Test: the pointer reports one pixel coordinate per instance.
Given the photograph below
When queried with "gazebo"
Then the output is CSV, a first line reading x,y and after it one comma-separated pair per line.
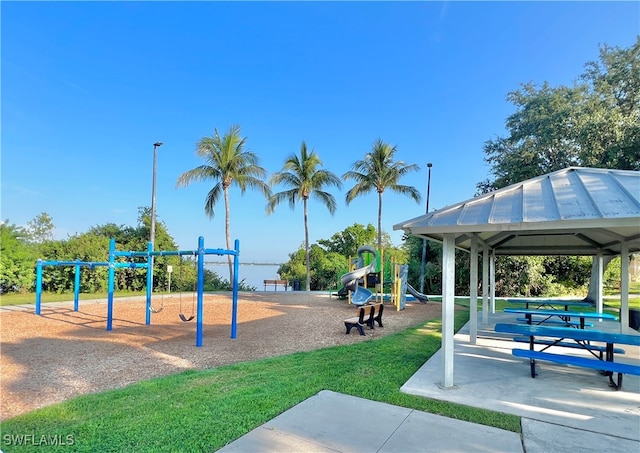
x,y
574,211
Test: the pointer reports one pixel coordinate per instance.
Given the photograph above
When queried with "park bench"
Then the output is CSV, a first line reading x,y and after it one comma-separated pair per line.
x,y
582,340
365,315
602,365
565,344
275,283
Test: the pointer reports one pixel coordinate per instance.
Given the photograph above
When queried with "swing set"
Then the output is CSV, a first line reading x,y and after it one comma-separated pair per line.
x,y
197,310
183,317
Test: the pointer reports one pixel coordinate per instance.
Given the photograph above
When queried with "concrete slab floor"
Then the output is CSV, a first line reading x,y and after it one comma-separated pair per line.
x,y
487,375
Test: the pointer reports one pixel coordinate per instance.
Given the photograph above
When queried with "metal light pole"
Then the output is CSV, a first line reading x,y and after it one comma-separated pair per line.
x,y
153,200
424,241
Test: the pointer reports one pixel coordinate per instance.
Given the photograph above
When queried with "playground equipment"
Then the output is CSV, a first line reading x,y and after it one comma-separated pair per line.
x,y
76,288
359,294
182,316
200,252
161,307
417,294
400,289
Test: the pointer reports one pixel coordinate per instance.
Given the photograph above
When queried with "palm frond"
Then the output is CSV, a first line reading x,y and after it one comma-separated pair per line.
x,y
212,198
407,190
287,179
327,199
289,196
198,174
360,188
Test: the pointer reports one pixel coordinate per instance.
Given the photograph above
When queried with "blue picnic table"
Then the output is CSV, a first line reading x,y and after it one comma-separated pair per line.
x,y
564,315
549,304
583,338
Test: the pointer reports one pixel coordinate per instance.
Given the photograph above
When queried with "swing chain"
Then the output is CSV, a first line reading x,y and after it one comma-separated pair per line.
x,y
182,316
159,309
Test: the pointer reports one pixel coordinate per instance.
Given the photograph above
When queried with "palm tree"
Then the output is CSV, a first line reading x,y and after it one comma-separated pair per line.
x,y
377,171
304,179
227,162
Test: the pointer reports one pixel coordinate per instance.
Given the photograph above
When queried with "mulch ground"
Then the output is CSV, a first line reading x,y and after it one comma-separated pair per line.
x,y
61,354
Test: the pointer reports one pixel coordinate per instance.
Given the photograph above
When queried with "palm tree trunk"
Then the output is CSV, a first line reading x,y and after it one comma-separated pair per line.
x,y
306,245
227,230
379,221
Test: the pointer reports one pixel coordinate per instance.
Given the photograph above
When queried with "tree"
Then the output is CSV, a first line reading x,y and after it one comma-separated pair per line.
x,y
539,140
377,172
40,229
227,163
304,179
595,122
17,259
433,264
347,241
326,267
611,116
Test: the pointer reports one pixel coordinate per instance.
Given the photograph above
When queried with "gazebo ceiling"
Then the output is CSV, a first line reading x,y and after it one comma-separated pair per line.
x,y
575,211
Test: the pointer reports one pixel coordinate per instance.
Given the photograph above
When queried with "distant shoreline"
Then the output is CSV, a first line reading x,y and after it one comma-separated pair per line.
x,y
225,263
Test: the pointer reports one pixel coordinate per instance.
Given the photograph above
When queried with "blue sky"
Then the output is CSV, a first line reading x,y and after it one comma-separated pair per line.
x,y
88,87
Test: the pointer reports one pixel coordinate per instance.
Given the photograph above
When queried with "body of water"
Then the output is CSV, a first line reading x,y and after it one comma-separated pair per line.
x,y
252,274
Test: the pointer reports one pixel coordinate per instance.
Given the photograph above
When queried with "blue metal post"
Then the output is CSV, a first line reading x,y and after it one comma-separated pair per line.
x,y
149,281
234,307
38,285
76,287
200,291
112,269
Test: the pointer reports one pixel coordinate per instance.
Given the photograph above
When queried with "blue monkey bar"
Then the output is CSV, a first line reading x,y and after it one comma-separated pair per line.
x,y
76,287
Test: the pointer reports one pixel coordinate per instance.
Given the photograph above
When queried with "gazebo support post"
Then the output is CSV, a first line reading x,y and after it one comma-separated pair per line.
x,y
600,271
485,284
448,301
473,291
624,287
492,277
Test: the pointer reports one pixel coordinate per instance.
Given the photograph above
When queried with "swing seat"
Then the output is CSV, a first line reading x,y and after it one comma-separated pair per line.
x,y
184,318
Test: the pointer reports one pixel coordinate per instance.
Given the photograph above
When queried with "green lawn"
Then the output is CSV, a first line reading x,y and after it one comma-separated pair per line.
x,y
611,296
204,410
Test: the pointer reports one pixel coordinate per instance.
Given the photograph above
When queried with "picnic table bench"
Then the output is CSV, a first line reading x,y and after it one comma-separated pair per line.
x,y
275,283
368,315
582,338
565,344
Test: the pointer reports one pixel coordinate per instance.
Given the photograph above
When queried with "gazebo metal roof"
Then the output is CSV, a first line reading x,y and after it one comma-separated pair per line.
x,y
574,211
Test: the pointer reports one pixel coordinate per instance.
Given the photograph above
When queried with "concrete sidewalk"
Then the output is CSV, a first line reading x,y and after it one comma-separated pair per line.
x,y
333,422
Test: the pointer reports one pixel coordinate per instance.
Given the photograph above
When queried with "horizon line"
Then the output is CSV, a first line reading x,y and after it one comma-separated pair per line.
x,y
250,262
